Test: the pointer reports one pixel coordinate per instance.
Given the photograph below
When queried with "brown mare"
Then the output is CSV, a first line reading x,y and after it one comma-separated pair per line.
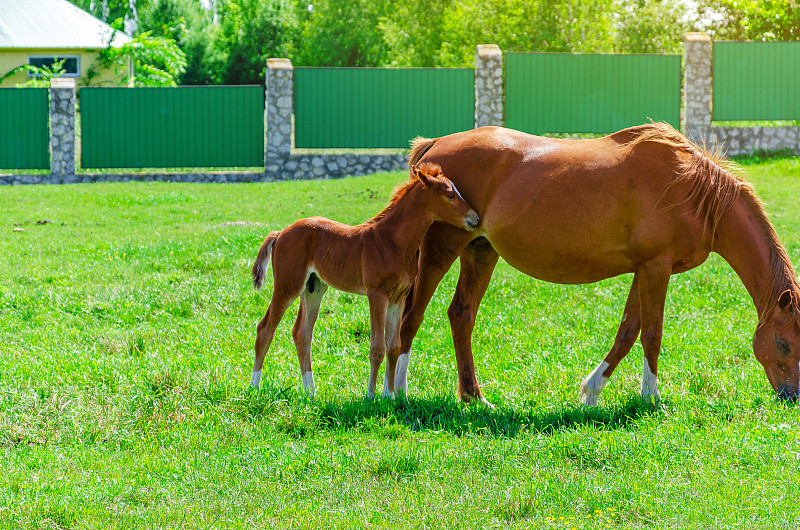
x,y
644,200
377,259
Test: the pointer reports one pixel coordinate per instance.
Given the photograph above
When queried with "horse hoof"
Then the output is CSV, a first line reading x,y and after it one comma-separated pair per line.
x,y
469,399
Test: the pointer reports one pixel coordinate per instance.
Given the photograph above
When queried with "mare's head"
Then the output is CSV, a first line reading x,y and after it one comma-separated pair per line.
x,y
777,346
445,202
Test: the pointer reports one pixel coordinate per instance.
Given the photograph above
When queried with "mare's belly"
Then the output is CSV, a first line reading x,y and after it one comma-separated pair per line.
x,y
560,254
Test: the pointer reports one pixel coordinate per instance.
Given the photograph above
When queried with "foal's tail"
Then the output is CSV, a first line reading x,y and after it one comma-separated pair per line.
x,y
260,266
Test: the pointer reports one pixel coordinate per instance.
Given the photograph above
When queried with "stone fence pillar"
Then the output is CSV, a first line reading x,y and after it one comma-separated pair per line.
x,y
697,87
489,103
280,107
62,129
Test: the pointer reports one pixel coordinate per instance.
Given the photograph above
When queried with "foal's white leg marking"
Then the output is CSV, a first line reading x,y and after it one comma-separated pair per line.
x,y
649,382
308,383
593,384
386,391
255,380
401,373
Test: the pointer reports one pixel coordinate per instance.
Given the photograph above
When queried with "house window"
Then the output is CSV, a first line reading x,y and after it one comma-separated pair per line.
x,y
71,66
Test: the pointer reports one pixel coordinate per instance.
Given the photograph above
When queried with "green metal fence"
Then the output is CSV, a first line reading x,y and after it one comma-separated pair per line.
x,y
24,128
756,81
172,127
380,107
567,93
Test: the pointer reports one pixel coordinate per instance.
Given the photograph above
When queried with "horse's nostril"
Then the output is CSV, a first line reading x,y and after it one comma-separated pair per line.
x,y
787,394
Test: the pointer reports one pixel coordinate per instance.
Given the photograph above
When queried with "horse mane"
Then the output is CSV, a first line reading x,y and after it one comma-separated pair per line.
x,y
715,183
402,189
419,146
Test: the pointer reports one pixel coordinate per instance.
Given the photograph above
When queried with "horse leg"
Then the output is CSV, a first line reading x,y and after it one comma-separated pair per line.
x,y
653,280
626,336
394,314
440,248
378,303
303,330
478,260
289,283
266,332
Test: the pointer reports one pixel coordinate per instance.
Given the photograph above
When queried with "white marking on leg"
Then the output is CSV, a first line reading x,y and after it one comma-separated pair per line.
x,y
624,317
649,382
593,384
386,392
255,380
308,383
401,373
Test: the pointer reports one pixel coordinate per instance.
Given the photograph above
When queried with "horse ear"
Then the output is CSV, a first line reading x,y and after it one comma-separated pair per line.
x,y
415,172
424,178
786,301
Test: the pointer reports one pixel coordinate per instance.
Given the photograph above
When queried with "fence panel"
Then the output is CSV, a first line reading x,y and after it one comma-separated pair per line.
x,y
380,107
756,81
24,128
592,93
209,126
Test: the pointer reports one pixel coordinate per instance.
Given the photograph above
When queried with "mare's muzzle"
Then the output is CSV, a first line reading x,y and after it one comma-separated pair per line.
x,y
787,394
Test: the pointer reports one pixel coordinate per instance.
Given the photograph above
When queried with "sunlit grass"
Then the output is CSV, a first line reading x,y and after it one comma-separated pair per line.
x,y
126,329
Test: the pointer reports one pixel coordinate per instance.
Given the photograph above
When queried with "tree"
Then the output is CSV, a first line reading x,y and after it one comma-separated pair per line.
x,y
769,20
250,31
156,61
651,26
526,25
40,75
414,31
339,33
191,27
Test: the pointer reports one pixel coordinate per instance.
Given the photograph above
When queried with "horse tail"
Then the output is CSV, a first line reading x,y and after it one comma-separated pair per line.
x,y
260,266
419,146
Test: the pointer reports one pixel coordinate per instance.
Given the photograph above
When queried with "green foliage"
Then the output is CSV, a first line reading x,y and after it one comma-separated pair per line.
x,y
109,10
652,26
521,25
231,43
143,61
340,33
40,75
249,32
768,20
191,27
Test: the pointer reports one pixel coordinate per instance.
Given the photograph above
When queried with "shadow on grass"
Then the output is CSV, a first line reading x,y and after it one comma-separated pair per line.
x,y
450,415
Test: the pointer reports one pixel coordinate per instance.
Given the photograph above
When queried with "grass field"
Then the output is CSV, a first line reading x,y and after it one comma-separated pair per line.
x,y
126,329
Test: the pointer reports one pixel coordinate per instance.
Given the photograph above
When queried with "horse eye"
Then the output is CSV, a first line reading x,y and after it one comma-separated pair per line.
x,y
452,196
783,346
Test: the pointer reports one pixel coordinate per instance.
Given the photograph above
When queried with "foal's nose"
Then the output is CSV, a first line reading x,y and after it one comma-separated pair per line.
x,y
472,220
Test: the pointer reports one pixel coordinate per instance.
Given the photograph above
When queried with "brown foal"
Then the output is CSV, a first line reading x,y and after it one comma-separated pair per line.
x,y
377,259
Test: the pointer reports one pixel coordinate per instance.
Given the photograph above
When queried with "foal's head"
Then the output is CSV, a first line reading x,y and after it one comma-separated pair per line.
x,y
445,203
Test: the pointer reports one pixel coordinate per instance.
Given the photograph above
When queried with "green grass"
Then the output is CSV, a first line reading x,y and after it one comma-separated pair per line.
x,y
126,329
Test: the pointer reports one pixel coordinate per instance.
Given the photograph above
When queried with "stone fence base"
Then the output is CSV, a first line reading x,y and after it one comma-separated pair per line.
x,y
745,140
293,167
332,166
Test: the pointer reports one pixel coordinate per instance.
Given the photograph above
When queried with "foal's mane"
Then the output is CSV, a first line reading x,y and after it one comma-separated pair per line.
x,y
402,189
715,183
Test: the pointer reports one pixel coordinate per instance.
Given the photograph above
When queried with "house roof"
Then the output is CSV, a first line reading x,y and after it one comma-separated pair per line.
x,y
53,24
